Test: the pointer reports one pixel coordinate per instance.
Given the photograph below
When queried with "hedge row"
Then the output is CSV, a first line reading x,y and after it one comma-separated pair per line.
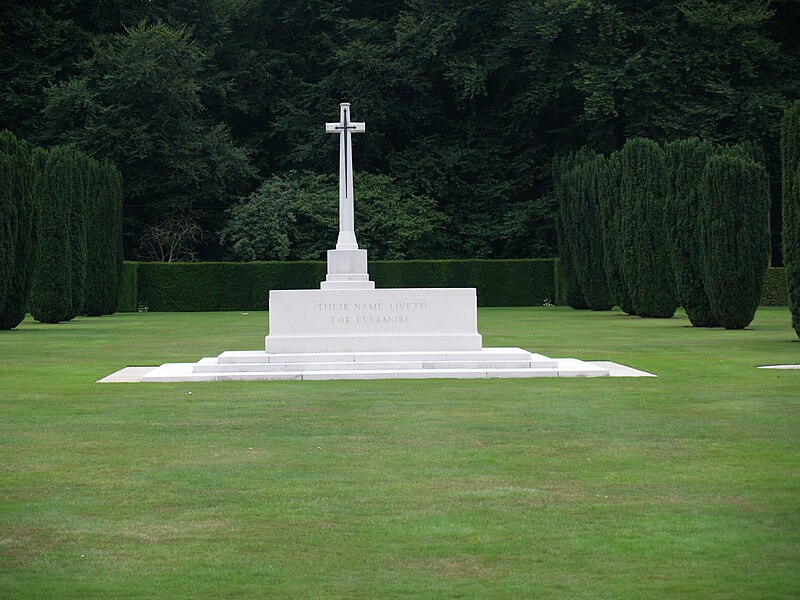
x,y
245,286
775,291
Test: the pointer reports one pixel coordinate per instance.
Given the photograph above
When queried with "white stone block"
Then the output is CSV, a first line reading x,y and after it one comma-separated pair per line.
x,y
400,319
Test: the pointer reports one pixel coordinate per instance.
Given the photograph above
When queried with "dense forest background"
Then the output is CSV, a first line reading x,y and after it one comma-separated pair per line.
x,y
466,102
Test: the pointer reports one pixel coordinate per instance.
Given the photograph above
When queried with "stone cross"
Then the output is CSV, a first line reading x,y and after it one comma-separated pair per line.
x,y
347,235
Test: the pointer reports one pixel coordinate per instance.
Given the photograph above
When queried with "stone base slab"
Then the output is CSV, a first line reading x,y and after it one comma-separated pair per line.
x,y
486,363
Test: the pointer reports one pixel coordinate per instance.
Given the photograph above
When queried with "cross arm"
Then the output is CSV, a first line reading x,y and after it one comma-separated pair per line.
x,y
351,127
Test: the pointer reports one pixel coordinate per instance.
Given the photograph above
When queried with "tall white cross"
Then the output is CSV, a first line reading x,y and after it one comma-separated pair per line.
x,y
347,234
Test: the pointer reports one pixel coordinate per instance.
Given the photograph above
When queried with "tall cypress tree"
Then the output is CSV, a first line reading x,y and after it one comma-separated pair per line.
x,y
104,239
564,192
23,240
790,160
97,246
646,264
611,213
585,231
8,223
78,180
113,179
734,237
51,297
687,161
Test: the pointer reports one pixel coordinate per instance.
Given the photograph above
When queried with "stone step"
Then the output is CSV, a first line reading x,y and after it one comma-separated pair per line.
x,y
487,354
215,367
166,375
183,372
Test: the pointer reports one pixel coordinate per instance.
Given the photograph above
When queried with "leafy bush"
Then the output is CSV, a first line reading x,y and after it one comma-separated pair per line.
x,y
296,217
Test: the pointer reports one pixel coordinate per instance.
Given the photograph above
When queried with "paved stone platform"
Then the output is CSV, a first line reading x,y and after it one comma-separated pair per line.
x,y
479,364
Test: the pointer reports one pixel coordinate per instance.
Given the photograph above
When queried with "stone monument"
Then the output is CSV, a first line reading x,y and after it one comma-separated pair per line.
x,y
347,313
347,329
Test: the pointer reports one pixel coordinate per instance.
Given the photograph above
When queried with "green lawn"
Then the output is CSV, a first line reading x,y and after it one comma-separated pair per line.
x,y
683,486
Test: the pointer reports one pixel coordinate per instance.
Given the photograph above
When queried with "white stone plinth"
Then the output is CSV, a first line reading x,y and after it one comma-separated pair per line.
x,y
347,270
370,320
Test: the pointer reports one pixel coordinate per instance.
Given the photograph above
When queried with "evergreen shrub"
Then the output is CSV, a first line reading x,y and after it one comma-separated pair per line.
x,y
19,228
582,227
790,161
127,295
51,296
104,236
539,280
245,286
78,181
775,292
687,161
645,261
565,192
8,223
734,237
611,226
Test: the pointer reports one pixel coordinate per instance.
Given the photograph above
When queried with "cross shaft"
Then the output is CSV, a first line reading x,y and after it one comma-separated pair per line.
x,y
347,236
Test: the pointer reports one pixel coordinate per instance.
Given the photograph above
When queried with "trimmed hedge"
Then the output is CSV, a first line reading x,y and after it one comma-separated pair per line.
x,y
127,300
530,282
775,291
245,286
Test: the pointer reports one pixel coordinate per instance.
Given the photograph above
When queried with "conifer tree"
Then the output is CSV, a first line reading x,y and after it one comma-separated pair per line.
x,y
734,237
113,182
51,297
687,161
104,239
79,175
97,224
611,220
646,264
562,167
790,160
8,223
19,241
585,231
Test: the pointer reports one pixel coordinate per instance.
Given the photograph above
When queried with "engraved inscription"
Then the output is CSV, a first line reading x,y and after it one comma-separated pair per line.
x,y
376,314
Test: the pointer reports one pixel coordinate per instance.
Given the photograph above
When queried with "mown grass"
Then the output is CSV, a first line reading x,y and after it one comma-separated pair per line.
x,y
683,486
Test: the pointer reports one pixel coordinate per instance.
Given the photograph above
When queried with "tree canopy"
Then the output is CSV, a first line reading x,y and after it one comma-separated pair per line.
x,y
466,103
